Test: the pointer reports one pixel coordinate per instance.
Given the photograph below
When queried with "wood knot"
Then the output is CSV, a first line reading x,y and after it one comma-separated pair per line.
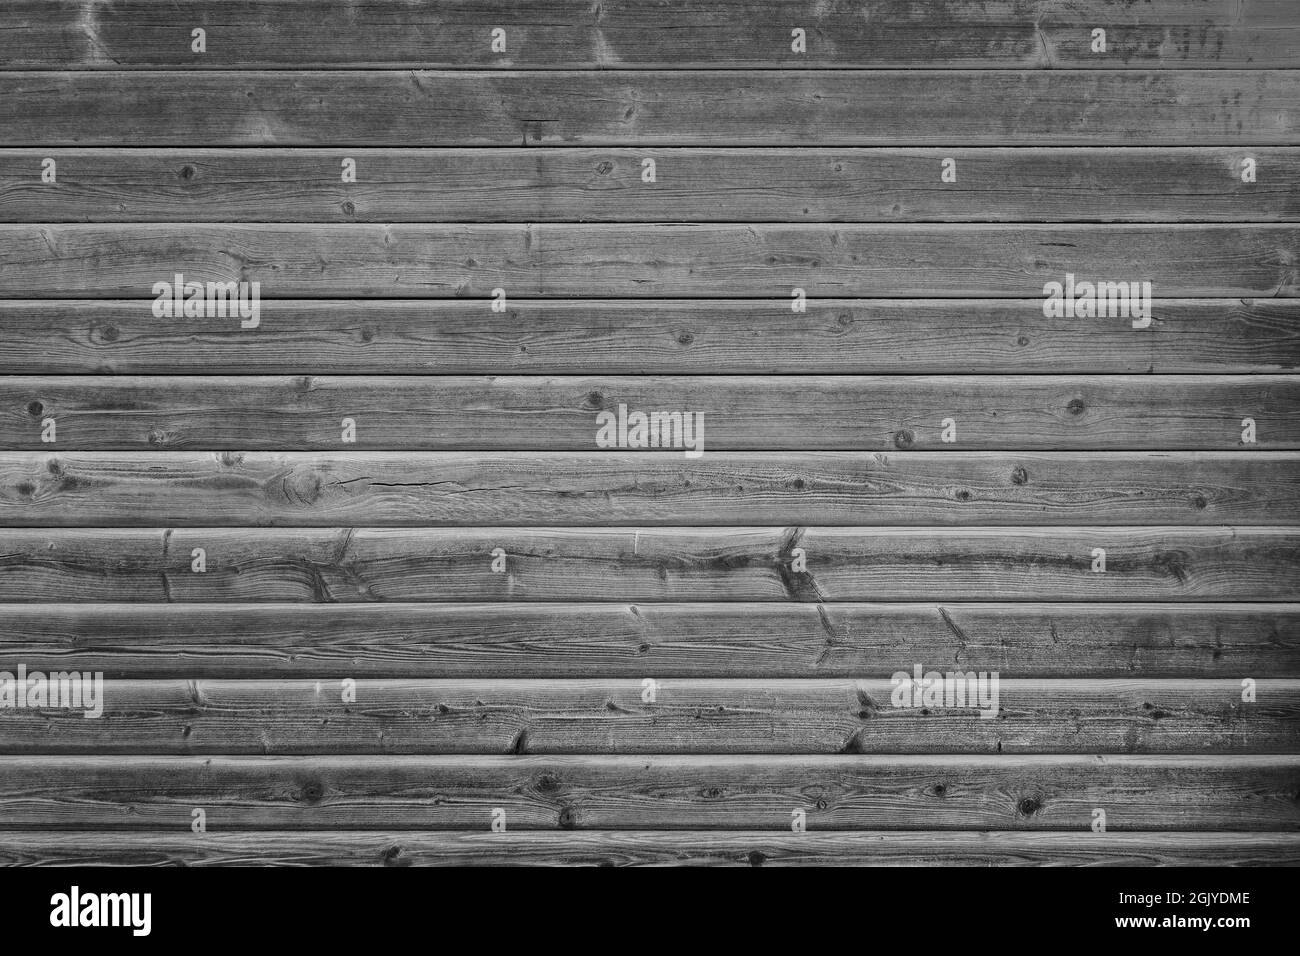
x,y
1199,502
1076,406
34,409
393,857
188,172
605,168
313,791
1019,476
349,208
940,789
1028,806
568,819
903,438
595,400
548,783
756,858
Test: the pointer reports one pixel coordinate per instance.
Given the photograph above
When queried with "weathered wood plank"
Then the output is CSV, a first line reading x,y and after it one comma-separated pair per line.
x,y
133,34
126,260
662,108
646,848
668,640
1176,184
349,565
429,489
731,413
687,717
854,336
1240,793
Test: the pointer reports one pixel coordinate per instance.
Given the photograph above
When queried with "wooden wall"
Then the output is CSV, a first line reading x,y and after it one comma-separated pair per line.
x,y
369,651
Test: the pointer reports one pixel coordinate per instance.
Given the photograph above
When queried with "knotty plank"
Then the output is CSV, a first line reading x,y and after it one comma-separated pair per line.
x,y
653,564
126,260
525,640
130,34
689,716
395,489
854,336
663,108
525,413
646,848
1040,793
1174,184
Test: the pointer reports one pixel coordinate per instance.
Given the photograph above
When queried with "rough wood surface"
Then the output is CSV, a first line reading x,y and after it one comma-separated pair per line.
x,y
549,34
417,489
523,640
1169,184
653,793
740,413
403,108
126,260
349,565
703,336
689,716
648,848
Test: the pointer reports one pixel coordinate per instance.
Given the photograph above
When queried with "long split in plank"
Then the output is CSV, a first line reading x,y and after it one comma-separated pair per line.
x,y
687,716
349,565
438,489
530,640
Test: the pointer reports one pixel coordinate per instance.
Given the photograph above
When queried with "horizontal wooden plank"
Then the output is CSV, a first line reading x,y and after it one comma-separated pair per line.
x,y
429,489
854,336
127,260
646,848
350,565
378,108
1176,184
687,717
730,413
947,792
132,34
524,640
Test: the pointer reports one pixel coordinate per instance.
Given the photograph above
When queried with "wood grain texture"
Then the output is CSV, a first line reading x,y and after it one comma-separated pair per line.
x,y
132,34
847,793
647,848
444,489
665,108
126,260
853,336
348,565
523,640
525,413
1170,184
689,716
